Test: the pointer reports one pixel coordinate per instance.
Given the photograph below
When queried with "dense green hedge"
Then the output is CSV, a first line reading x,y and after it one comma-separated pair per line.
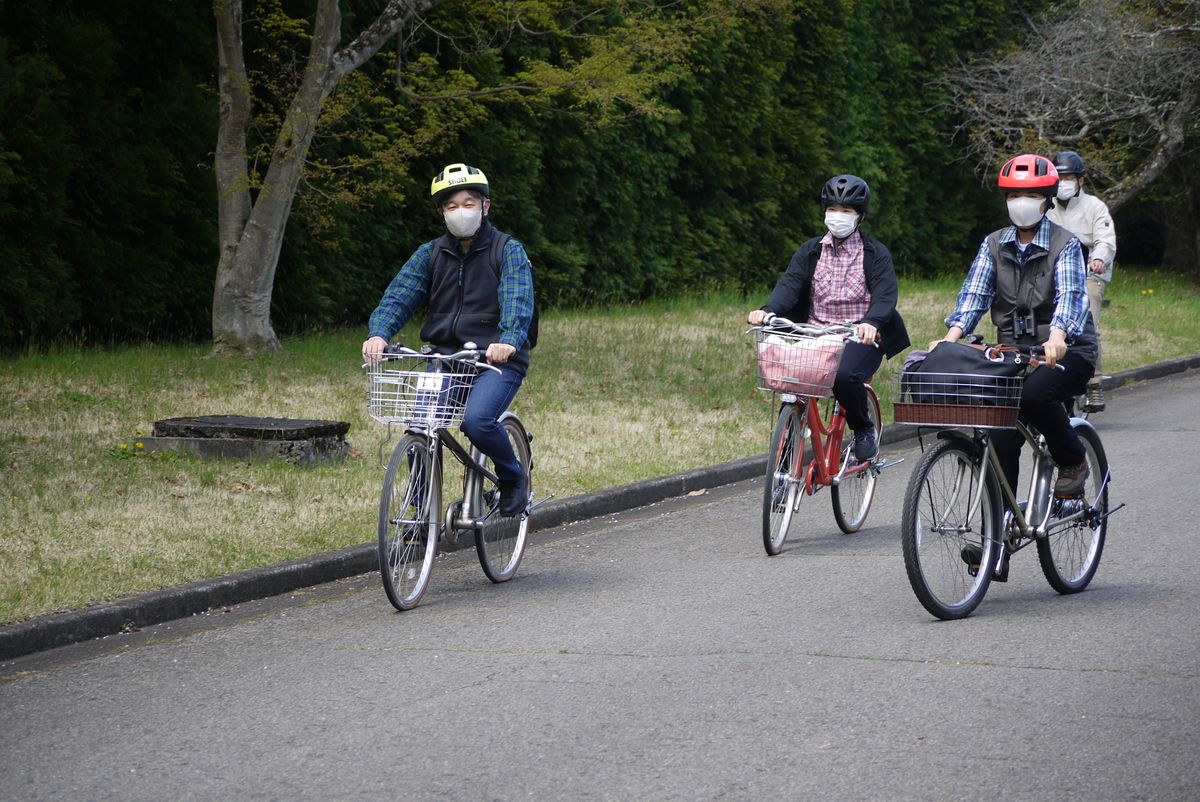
x,y
107,198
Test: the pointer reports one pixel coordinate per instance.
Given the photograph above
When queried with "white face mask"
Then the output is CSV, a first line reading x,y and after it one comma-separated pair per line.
x,y
840,224
1067,190
1025,212
463,222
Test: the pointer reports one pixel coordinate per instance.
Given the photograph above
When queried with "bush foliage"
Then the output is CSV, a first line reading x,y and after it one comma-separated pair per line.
x,y
107,199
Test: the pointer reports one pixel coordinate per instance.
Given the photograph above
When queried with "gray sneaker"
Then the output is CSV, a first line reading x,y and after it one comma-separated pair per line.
x,y
1070,480
1094,402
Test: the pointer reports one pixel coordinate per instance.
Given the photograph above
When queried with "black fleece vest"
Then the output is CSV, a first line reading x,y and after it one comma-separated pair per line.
x,y
464,303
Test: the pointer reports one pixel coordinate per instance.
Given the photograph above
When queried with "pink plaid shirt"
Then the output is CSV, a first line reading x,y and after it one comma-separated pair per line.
x,y
839,284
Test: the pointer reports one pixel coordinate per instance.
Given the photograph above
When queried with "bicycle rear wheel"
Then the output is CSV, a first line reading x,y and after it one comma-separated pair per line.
x,y
853,495
948,552
786,463
1070,557
500,543
409,508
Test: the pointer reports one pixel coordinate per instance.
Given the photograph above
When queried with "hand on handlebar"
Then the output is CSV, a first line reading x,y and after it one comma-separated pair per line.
x,y
499,353
372,349
757,317
1055,347
866,333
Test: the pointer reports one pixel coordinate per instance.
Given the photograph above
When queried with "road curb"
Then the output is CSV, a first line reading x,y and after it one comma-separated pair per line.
x,y
62,629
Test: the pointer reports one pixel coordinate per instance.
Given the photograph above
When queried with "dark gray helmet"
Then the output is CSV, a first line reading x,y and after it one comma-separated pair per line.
x,y
847,190
1070,163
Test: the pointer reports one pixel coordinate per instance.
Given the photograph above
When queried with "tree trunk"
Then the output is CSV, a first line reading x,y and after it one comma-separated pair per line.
x,y
246,270
251,234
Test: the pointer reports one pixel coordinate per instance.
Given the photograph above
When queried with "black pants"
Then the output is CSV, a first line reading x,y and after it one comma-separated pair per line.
x,y
859,363
1042,406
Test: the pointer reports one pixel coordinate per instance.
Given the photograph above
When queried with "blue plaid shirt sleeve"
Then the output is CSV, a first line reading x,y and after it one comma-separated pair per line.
x,y
977,292
403,296
1070,299
516,295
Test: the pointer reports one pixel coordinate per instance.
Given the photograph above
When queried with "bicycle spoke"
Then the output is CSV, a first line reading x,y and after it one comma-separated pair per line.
x,y
948,546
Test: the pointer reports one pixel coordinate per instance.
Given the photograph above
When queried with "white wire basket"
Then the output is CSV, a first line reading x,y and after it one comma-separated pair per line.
x,y
402,389
798,363
957,399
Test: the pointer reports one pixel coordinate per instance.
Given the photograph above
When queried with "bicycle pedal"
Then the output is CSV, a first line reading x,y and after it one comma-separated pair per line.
x,y
887,462
971,556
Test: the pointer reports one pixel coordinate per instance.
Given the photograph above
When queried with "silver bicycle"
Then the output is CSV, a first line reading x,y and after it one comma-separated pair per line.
x,y
426,393
962,521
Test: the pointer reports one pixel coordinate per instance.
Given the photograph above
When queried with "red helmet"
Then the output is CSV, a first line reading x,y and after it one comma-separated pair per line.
x,y
1028,173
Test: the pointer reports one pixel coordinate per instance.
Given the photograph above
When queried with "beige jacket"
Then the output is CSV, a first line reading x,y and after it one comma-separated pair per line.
x,y
1087,217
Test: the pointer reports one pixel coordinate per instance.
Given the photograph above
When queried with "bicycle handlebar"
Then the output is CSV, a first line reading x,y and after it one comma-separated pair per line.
x,y
472,355
774,321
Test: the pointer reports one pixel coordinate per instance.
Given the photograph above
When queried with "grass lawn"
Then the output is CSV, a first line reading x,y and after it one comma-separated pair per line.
x,y
614,395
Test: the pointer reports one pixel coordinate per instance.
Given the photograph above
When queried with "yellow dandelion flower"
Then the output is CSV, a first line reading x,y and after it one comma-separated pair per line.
x,y
141,445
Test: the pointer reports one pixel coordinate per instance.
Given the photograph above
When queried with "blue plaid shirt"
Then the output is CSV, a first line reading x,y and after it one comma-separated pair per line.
x,y
1070,287
405,295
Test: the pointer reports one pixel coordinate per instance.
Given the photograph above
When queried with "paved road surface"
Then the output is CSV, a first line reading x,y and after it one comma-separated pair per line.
x,y
661,655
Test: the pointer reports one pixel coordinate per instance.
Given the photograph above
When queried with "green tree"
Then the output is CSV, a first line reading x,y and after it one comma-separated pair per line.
x,y
614,53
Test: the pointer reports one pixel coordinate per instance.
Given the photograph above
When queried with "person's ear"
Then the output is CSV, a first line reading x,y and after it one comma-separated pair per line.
x,y
487,205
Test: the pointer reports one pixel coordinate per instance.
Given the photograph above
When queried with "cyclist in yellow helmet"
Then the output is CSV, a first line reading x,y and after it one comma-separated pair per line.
x,y
476,283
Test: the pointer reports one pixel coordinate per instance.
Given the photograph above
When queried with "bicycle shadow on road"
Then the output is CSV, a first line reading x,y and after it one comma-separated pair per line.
x,y
829,541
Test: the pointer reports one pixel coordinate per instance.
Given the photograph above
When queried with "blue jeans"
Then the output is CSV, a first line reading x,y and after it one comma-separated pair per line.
x,y
489,398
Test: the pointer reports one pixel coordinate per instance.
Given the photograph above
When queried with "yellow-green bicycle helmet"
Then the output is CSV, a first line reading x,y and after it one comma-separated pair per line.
x,y
455,177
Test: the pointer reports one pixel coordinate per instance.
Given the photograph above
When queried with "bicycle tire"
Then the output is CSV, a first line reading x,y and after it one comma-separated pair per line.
x,y
852,497
1070,558
786,464
500,543
409,510
935,531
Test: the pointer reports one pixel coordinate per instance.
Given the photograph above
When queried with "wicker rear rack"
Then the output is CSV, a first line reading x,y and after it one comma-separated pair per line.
x,y
957,399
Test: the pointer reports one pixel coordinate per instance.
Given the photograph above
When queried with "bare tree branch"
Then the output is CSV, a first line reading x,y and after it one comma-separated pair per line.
x,y
1111,77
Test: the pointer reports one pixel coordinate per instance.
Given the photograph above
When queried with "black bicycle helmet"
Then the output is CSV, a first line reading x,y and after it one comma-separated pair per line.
x,y
1069,162
847,190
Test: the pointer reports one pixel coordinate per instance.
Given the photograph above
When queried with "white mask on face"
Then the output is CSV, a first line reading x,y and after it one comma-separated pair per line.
x,y
1067,190
1025,212
462,222
840,224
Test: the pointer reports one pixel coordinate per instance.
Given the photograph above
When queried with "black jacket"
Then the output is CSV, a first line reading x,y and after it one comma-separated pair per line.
x,y
792,296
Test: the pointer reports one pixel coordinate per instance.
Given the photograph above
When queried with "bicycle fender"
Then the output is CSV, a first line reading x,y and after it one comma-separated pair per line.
x,y
1082,423
958,434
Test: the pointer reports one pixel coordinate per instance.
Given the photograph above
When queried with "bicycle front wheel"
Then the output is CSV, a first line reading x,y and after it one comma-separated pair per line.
x,y
409,508
786,462
1070,556
852,496
949,549
500,543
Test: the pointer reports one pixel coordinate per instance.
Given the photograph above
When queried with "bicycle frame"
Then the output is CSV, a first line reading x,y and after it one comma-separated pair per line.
x,y
826,467
1031,518
441,440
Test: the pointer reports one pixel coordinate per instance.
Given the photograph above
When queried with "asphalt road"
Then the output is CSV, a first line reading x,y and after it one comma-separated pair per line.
x,y
660,654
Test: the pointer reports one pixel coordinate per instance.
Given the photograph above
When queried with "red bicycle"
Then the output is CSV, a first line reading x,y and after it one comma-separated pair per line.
x,y
799,363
